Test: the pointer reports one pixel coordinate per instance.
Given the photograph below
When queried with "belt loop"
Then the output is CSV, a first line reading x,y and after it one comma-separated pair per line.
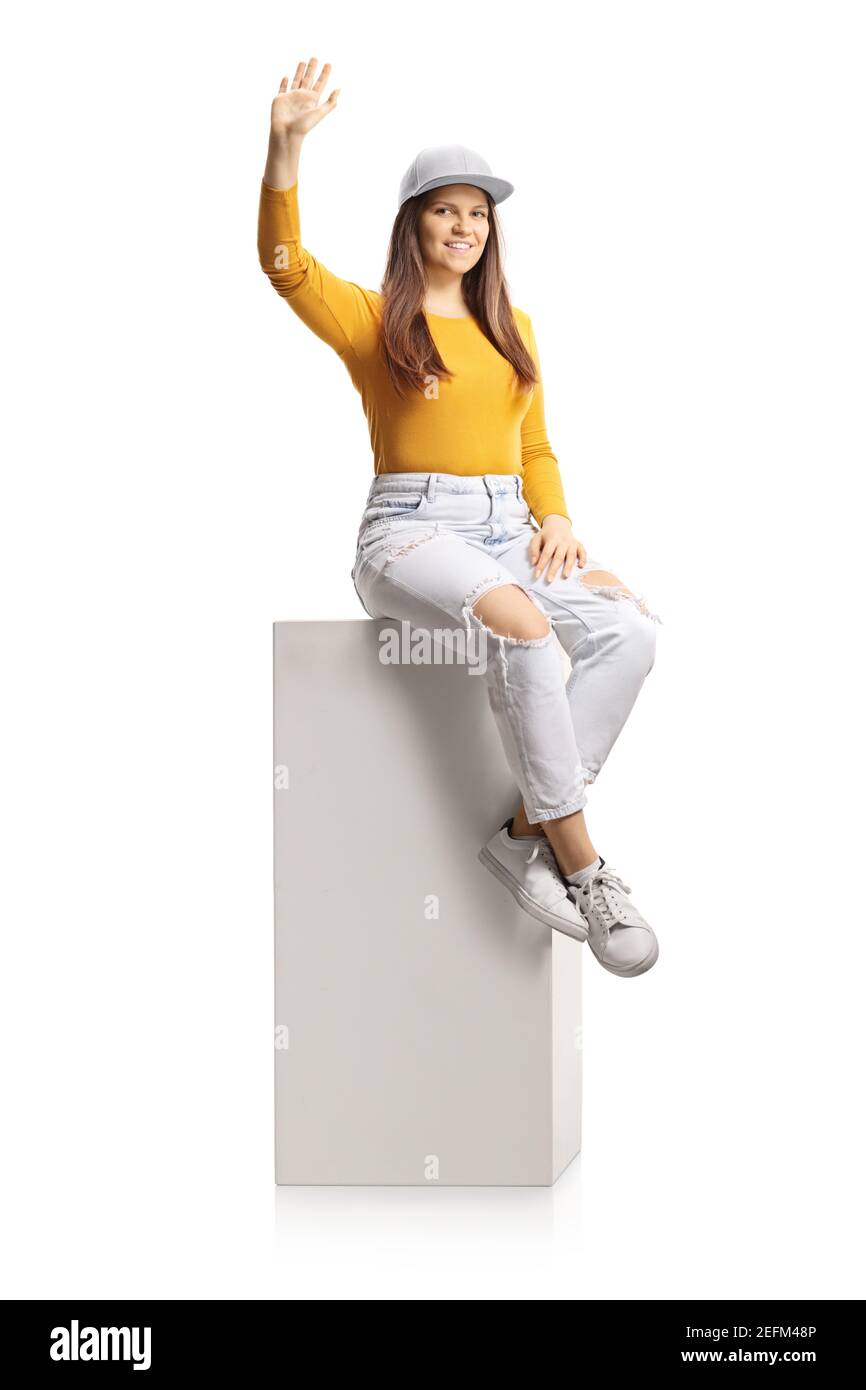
x,y
489,483
431,487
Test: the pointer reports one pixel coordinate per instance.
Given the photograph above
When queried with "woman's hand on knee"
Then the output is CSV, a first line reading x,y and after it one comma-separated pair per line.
x,y
555,548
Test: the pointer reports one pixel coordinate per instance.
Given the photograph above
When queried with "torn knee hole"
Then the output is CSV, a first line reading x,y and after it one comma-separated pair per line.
x,y
493,605
603,579
603,582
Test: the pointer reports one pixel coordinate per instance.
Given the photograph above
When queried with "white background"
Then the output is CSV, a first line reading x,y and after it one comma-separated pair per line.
x,y
185,463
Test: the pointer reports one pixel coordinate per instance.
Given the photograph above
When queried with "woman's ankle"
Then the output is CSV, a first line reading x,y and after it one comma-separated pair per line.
x,y
521,828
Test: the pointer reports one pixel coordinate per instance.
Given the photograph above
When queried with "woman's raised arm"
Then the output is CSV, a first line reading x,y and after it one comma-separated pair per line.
x,y
336,310
295,111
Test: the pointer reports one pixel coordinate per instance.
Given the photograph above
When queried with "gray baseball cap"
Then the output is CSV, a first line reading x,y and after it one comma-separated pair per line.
x,y
438,165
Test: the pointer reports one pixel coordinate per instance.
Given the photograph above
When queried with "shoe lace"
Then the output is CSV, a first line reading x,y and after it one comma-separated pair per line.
x,y
598,895
542,846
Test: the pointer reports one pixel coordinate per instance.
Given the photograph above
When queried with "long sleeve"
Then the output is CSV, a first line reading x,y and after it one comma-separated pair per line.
x,y
542,484
336,310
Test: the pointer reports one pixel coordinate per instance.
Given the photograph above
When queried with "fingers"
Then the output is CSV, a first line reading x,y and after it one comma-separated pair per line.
x,y
552,555
542,549
323,77
303,81
556,562
571,556
575,554
307,80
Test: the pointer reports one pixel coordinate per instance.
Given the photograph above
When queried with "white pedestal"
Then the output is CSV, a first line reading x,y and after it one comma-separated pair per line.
x,y
428,1031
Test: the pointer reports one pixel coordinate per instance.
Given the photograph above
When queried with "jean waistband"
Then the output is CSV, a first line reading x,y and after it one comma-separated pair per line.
x,y
494,484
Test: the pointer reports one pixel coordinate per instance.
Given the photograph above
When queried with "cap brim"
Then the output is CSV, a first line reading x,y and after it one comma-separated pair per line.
x,y
499,189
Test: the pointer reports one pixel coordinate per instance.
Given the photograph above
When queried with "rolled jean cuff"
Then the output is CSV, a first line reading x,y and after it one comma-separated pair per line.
x,y
558,811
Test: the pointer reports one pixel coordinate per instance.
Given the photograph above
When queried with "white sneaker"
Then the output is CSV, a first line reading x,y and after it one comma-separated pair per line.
x,y
619,937
529,870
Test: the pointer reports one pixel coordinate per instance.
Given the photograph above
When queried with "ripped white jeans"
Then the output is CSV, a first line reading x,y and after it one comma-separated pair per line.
x,y
430,545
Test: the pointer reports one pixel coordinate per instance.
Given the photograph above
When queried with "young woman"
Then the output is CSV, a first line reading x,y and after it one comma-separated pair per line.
x,y
449,376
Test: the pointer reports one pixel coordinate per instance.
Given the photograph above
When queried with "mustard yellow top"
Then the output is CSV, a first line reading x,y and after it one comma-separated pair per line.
x,y
478,422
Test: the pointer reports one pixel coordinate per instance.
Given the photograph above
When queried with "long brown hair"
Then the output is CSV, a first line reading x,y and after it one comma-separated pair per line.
x,y
406,344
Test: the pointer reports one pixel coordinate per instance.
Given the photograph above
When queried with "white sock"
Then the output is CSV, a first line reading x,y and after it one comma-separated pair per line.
x,y
580,876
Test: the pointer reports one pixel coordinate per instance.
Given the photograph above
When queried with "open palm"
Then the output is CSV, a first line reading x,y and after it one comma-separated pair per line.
x,y
296,110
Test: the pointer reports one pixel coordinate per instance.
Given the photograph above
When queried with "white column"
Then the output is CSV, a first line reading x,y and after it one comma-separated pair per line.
x,y
427,1030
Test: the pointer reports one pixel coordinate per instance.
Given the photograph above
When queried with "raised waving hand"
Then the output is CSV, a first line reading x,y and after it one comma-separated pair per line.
x,y
296,109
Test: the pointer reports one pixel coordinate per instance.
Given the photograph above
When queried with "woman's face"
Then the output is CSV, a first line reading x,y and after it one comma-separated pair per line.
x,y
454,226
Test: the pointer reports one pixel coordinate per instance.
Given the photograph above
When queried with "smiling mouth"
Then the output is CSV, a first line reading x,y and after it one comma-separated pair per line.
x,y
459,247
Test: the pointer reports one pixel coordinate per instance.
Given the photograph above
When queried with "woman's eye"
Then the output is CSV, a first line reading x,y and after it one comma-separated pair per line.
x,y
479,211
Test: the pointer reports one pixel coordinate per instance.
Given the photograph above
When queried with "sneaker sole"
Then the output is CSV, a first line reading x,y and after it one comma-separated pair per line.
x,y
523,899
